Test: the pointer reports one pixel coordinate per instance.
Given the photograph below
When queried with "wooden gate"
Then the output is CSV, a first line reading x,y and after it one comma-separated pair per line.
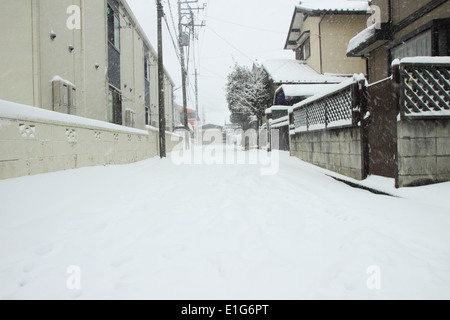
x,y
383,105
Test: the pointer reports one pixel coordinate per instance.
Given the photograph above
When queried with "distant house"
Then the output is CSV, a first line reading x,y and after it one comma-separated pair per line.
x,y
403,29
193,118
293,80
320,31
177,115
211,132
212,127
296,72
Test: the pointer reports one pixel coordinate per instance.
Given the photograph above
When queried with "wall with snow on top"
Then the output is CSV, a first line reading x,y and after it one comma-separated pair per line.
x,y
34,141
336,149
423,151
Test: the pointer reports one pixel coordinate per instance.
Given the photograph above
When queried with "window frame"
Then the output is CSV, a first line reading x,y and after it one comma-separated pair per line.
x,y
113,25
304,50
147,68
114,106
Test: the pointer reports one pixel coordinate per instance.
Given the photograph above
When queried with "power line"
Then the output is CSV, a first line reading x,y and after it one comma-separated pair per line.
x,y
200,47
213,72
246,26
173,41
230,44
211,77
173,19
253,52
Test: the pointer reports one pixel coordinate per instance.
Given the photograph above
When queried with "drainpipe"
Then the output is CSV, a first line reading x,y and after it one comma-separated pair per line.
x,y
390,11
320,43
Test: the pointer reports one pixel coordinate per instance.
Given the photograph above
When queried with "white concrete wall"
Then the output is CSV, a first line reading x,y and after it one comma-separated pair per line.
x,y
45,143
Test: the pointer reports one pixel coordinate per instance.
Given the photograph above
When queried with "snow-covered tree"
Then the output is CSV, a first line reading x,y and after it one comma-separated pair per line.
x,y
248,95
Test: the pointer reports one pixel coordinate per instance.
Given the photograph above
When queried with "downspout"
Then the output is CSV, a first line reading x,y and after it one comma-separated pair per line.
x,y
366,58
390,11
320,43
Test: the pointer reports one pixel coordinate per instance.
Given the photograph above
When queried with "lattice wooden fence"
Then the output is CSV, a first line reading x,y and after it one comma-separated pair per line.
x,y
425,90
338,108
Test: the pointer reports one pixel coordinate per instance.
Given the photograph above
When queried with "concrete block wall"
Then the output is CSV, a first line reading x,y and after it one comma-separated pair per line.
x,y
29,147
423,152
337,149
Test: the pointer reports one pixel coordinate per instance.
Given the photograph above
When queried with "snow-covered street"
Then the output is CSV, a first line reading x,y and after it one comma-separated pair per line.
x,y
157,230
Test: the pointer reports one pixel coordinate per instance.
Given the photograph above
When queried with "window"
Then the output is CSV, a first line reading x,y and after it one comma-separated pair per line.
x,y
304,51
419,45
117,32
147,87
114,106
147,69
113,28
130,118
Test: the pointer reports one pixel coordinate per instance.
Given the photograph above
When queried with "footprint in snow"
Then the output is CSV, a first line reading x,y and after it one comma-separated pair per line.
x,y
28,267
119,262
44,250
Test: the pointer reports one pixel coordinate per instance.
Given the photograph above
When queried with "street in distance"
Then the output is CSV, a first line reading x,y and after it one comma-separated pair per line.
x,y
229,310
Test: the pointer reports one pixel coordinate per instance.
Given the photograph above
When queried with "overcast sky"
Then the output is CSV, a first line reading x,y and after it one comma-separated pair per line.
x,y
236,30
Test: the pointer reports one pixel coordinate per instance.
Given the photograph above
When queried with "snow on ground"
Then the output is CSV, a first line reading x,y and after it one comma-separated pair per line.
x,y
155,230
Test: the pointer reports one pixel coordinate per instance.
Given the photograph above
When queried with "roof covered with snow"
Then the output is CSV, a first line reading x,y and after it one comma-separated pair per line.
x,y
316,6
426,60
361,37
302,90
277,108
369,39
294,71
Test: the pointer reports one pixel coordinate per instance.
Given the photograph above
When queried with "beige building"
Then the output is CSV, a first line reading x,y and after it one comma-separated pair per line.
x,y
405,29
78,87
319,34
87,58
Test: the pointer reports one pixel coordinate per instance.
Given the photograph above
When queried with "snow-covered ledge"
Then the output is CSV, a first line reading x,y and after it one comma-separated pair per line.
x,y
34,141
16,111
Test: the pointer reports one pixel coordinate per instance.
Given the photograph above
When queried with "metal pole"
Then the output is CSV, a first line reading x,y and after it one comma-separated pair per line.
x,y
161,90
196,108
183,72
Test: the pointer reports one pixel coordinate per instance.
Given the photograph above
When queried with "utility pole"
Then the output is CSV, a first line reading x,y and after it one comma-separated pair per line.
x,y
161,90
186,11
196,108
181,45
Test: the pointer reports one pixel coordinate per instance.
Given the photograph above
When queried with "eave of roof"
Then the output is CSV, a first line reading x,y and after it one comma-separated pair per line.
x,y
381,36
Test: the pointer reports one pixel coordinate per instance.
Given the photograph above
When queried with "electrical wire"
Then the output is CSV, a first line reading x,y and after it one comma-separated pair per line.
x,y
173,19
230,44
245,26
173,41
